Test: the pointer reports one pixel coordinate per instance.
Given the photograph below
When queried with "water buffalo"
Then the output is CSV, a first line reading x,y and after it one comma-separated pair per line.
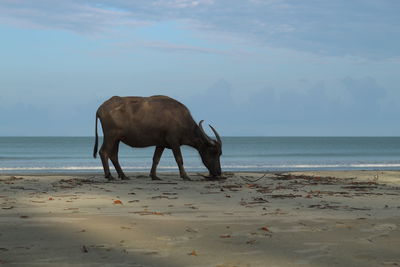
x,y
153,121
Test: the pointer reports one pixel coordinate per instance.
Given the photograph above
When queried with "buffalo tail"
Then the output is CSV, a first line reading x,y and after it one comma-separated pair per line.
x,y
97,139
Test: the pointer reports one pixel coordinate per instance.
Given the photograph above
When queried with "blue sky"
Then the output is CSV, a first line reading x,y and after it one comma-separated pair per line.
x,y
250,67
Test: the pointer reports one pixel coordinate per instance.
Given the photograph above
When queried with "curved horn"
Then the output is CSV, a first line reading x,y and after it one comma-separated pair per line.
x,y
204,133
216,135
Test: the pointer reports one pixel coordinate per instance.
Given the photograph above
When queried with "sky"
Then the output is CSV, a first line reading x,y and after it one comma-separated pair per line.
x,y
248,67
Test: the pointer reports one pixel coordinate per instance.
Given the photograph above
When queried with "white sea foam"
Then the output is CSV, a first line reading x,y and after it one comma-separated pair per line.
x,y
317,166
73,168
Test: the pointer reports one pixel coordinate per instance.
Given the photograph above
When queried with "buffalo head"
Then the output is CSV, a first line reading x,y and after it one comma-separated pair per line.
x,y
211,151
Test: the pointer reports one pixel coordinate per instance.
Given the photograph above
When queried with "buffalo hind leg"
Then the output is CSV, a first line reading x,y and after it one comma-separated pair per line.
x,y
179,161
104,155
156,159
115,161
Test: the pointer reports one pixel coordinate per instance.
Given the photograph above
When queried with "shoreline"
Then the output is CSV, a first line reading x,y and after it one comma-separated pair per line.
x,y
128,170
318,218
100,172
388,176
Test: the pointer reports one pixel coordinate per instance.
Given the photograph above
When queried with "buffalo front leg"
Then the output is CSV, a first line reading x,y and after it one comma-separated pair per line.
x,y
179,161
156,159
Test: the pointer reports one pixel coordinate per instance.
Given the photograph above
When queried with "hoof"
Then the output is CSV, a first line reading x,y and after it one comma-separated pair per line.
x,y
186,178
123,177
155,178
214,178
109,177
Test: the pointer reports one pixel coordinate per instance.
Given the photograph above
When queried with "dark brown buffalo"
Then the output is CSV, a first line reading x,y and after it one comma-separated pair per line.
x,y
153,121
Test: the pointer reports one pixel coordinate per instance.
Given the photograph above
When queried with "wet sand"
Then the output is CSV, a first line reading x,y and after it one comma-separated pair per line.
x,y
338,218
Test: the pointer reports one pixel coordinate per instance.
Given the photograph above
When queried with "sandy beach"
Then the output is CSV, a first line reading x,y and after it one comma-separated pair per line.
x,y
338,218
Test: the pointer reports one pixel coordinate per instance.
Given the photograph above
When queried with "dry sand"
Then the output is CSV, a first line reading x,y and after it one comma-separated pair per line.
x,y
343,218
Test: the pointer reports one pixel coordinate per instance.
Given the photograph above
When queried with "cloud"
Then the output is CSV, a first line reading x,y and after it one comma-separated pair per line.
x,y
316,109
364,90
181,48
366,28
182,3
83,18
366,98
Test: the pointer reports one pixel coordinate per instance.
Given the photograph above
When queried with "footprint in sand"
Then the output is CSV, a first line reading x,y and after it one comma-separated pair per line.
x,y
385,227
316,250
379,231
173,240
149,252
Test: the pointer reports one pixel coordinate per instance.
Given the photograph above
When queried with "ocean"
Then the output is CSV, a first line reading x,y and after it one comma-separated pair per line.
x,y
74,154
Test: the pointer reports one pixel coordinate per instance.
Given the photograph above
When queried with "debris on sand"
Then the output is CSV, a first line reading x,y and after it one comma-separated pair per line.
x,y
74,182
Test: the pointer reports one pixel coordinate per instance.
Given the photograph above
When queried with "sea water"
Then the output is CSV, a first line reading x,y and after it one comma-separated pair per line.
x,y
74,154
